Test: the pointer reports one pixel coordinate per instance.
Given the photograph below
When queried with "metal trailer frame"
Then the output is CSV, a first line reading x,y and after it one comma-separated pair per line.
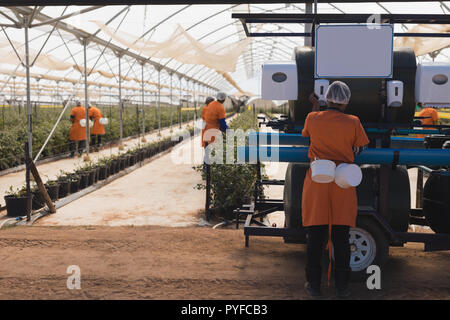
x,y
254,213
259,208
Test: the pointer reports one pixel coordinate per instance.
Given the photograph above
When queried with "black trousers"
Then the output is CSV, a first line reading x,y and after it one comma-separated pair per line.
x,y
96,140
317,237
76,146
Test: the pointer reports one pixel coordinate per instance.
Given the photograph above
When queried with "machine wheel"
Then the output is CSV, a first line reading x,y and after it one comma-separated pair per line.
x,y
292,197
436,203
369,246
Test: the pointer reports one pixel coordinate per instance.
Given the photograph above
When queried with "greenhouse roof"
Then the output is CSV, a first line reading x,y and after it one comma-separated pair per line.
x,y
201,44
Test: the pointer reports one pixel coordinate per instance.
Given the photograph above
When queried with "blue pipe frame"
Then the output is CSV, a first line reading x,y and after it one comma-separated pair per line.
x,y
386,156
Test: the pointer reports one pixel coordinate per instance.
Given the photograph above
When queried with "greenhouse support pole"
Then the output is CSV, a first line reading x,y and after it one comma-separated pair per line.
x,y
86,99
159,100
27,67
179,107
195,101
143,101
170,103
120,104
188,96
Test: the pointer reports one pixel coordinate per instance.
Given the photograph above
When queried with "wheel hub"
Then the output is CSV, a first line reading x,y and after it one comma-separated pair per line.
x,y
362,249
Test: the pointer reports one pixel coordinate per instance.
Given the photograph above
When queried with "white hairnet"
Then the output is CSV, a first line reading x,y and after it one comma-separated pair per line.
x,y
338,92
221,96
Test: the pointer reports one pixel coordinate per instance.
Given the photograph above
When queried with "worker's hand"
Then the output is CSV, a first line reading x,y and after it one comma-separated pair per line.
x,y
315,102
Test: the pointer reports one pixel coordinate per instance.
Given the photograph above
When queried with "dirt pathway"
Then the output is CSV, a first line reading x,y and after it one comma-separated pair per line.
x,y
159,193
188,263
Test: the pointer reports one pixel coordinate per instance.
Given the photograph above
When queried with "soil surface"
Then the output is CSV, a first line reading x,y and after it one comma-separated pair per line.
x,y
188,263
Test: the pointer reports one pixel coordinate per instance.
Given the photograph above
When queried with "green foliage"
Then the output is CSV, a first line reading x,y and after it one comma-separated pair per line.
x,y
13,128
232,185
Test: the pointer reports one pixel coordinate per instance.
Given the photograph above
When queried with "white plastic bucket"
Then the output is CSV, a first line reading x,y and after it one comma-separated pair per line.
x,y
323,171
103,121
348,175
83,123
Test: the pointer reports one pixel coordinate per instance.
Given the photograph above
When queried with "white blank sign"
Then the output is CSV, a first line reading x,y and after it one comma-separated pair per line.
x,y
354,51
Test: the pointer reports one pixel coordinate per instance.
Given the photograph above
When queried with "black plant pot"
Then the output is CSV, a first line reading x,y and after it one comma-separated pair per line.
x,y
96,174
91,177
53,191
132,160
103,172
16,206
116,165
38,200
64,188
74,185
123,163
84,179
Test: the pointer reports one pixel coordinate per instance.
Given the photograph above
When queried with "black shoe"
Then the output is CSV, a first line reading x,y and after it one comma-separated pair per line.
x,y
343,293
313,291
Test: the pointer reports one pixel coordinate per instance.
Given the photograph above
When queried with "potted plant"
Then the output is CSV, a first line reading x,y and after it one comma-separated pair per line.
x,y
16,201
38,199
74,182
63,182
103,168
52,187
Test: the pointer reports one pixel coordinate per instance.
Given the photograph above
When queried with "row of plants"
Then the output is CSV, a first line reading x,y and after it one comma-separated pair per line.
x,y
86,175
232,184
13,129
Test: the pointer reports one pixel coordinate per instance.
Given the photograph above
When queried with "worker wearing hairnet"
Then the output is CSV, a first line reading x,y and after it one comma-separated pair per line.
x,y
214,117
77,137
98,129
326,207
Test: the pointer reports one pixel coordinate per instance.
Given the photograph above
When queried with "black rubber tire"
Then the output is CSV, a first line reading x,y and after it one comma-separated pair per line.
x,y
380,238
399,200
436,203
292,197
292,194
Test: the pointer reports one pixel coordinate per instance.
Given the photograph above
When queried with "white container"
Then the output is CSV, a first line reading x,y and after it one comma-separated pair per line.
x,y
433,84
103,121
323,171
348,175
83,123
394,93
320,88
279,81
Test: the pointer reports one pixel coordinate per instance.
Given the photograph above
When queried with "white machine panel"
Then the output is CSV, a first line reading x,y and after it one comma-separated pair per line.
x,y
279,81
432,84
354,51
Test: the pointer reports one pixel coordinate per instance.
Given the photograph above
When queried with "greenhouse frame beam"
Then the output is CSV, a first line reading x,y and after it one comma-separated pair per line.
x,y
73,14
26,11
180,2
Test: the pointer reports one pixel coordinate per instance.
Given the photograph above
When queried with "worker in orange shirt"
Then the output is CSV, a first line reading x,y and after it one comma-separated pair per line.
x,y
77,137
207,102
328,209
431,118
98,129
214,118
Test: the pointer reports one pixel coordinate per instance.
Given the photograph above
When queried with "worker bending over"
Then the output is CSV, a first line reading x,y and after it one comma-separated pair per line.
x,y
328,209
98,129
77,137
431,118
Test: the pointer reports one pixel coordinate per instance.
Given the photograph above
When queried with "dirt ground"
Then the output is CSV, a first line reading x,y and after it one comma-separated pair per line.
x,y
188,263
